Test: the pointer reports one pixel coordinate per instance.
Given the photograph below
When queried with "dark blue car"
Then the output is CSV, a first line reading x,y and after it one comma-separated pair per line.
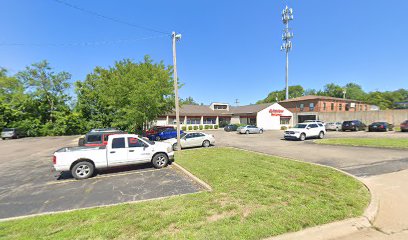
x,y
163,135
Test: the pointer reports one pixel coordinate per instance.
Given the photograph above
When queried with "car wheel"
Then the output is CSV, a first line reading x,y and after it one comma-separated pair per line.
x,y
246,132
321,135
82,170
206,143
157,138
175,147
302,137
160,160
261,131
3,138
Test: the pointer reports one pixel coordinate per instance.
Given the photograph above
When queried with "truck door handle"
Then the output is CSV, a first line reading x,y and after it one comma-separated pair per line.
x,y
112,151
131,150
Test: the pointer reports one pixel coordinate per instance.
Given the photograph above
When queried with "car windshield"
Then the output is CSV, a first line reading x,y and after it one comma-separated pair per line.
x,y
8,129
300,126
183,135
378,123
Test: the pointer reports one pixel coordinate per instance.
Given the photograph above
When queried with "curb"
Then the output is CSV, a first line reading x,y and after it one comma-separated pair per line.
x,y
189,174
334,229
356,146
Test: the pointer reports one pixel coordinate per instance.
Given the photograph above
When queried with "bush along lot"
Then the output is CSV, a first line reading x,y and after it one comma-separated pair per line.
x,y
254,196
368,142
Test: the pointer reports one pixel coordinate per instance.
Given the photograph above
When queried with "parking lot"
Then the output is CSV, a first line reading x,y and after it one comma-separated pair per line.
x,y
359,161
28,186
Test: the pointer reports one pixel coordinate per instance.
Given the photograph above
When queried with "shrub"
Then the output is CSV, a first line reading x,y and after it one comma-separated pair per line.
x,y
284,128
215,126
183,128
206,127
211,126
190,128
195,127
201,127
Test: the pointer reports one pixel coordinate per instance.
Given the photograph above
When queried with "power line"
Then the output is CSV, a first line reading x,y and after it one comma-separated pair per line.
x,y
83,44
108,18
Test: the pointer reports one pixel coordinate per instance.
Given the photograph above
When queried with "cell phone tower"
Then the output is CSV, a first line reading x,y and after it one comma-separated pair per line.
x,y
287,35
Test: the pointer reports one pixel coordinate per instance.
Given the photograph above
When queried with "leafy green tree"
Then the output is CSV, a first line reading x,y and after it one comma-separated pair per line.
x,y
47,87
294,91
332,90
355,92
188,101
127,95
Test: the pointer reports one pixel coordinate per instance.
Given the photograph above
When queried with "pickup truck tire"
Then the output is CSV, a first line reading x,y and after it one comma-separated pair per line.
x,y
160,160
82,170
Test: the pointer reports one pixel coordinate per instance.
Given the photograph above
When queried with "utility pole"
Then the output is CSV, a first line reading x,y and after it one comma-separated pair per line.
x,y
236,102
287,15
175,37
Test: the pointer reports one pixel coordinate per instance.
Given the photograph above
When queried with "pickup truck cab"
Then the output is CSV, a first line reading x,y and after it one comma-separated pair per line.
x,y
122,149
305,130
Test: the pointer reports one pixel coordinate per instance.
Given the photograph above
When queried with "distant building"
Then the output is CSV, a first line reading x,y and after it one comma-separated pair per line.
x,y
308,107
401,105
270,116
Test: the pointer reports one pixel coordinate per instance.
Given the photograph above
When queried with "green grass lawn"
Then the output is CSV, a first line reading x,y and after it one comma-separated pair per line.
x,y
368,142
254,196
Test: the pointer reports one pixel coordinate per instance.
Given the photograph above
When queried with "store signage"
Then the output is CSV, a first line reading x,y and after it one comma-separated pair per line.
x,y
276,112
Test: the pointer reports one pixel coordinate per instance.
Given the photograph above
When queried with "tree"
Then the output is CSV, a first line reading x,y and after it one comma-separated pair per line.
x,y
332,90
127,95
355,92
188,101
47,87
294,91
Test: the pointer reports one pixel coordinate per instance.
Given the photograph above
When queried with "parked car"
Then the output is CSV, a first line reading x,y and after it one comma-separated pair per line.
x,y
97,138
334,126
193,139
380,126
354,125
305,130
231,128
122,149
11,133
156,130
165,134
404,126
249,129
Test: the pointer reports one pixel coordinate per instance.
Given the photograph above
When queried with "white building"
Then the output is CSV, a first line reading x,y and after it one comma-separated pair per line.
x,y
269,116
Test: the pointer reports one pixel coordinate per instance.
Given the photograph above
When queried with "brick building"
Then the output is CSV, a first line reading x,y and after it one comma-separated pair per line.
x,y
308,107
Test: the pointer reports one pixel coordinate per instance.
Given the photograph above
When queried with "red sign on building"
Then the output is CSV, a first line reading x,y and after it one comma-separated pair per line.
x,y
276,112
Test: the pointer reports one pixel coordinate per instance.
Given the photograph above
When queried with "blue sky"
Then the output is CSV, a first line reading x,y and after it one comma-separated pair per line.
x,y
229,49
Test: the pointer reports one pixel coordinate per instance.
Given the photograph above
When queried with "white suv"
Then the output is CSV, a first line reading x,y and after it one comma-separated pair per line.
x,y
305,130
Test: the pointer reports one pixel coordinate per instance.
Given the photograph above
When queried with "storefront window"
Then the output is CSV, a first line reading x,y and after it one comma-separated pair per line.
x,y
172,120
193,120
340,107
285,120
332,106
209,120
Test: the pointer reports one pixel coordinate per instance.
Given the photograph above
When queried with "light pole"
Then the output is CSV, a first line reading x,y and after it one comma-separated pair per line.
x,y
287,15
175,37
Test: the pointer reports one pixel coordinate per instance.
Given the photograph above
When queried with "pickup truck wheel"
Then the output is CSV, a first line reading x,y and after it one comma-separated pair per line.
x,y
302,137
160,160
321,135
82,170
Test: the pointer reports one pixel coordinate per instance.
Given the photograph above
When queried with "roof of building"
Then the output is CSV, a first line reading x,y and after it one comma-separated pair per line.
x,y
314,97
253,108
205,110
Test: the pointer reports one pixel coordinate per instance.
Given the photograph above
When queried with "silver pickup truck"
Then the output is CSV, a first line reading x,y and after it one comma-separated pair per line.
x,y
122,149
